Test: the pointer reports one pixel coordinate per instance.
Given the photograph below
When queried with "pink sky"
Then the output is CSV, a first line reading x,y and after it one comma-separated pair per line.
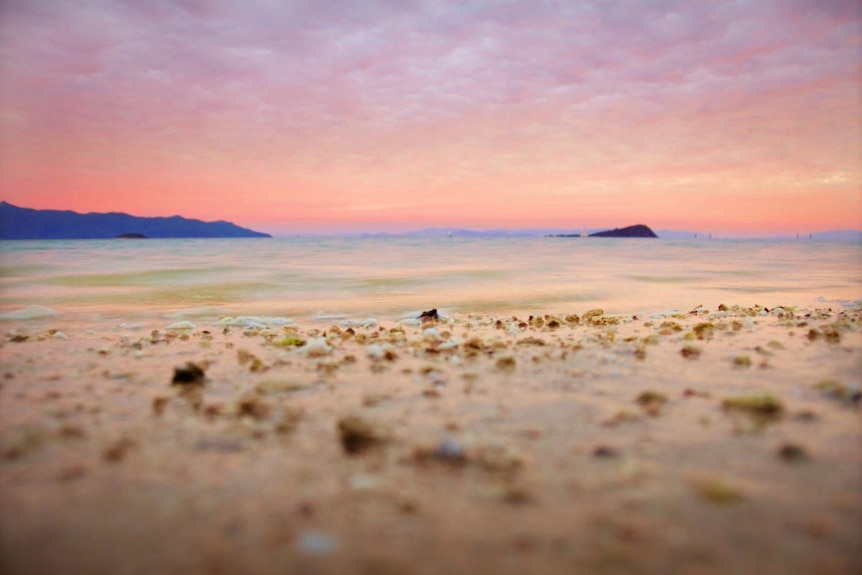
x,y
731,117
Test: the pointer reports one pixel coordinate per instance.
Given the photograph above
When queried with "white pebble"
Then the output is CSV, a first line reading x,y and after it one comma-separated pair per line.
x,y
375,351
185,324
363,482
316,543
431,334
316,347
451,343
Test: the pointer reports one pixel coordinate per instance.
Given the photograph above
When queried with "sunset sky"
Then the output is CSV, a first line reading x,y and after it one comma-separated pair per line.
x,y
731,117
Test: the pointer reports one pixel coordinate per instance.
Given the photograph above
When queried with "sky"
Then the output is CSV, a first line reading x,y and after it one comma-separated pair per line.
x,y
728,117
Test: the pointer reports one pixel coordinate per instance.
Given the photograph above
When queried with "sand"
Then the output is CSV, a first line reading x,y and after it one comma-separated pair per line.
x,y
713,441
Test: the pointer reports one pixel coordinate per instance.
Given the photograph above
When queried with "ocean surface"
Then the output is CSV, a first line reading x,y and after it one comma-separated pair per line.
x,y
389,278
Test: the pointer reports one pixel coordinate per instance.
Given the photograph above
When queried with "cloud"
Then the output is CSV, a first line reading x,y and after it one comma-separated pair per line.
x,y
405,91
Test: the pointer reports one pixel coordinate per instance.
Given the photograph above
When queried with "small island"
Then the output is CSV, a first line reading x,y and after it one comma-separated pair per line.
x,y
131,236
636,231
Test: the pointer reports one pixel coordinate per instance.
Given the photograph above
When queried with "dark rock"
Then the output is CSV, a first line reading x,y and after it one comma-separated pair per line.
x,y
792,452
605,451
189,374
358,434
430,315
636,231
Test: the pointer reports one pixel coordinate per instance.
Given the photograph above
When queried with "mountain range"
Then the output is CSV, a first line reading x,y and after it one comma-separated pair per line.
x,y
18,223
832,235
28,224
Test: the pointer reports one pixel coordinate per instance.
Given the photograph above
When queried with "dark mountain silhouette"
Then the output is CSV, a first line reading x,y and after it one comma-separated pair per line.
x,y
28,224
637,231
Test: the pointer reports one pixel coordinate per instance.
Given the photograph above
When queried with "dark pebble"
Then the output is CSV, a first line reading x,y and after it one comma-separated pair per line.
x,y
430,315
605,451
792,452
188,374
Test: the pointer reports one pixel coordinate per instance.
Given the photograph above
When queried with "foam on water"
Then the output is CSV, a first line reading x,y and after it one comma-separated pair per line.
x,y
29,312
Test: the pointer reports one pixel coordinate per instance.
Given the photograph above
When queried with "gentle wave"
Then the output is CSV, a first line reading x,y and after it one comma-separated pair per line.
x,y
391,276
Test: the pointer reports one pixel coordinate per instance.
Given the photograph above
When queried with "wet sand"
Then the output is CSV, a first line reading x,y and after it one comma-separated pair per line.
x,y
712,441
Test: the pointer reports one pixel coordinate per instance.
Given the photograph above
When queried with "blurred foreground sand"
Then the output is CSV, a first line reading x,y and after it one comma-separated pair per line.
x,y
703,442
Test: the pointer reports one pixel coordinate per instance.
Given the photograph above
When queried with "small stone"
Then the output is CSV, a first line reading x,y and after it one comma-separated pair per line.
x,y
719,492
189,374
837,390
806,416
430,315
506,363
72,472
765,404
159,404
690,351
118,450
516,494
651,401
316,543
364,482
358,434
281,386
252,407
317,347
605,451
432,335
592,316
792,452
450,451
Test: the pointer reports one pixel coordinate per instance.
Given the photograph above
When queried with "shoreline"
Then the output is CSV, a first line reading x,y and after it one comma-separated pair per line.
x,y
708,441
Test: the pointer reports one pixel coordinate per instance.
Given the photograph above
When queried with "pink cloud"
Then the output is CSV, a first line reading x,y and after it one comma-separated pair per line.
x,y
385,103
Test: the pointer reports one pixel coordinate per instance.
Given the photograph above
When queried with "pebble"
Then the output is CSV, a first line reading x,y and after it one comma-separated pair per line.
x,y
375,351
792,452
363,482
255,321
185,324
431,334
450,451
605,451
189,374
316,543
316,347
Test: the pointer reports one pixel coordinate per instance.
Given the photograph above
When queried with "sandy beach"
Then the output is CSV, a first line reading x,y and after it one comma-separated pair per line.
x,y
725,439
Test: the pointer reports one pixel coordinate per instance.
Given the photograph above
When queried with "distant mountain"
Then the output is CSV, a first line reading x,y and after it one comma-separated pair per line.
x,y
636,231
681,235
28,224
464,233
838,235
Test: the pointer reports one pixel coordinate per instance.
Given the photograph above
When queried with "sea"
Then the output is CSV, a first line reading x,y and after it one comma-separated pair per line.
x,y
382,278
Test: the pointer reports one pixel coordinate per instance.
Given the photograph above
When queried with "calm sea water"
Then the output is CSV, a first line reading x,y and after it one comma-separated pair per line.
x,y
388,278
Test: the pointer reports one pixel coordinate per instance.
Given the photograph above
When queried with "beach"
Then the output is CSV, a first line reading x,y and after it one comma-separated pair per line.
x,y
716,439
